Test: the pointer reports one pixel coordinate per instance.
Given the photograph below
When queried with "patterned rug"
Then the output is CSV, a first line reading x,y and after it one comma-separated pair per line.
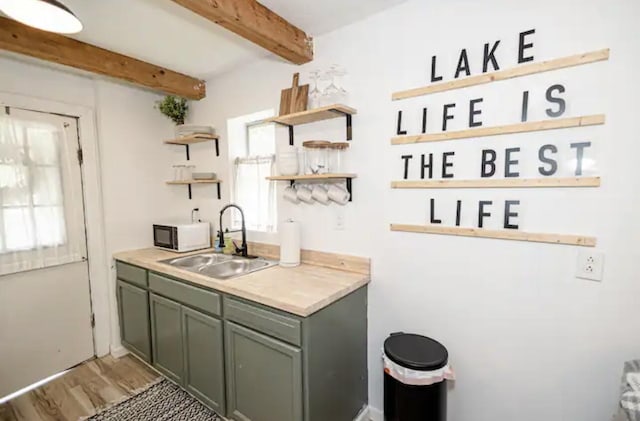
x,y
164,401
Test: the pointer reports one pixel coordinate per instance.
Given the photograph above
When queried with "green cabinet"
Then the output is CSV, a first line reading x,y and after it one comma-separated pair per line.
x,y
166,337
188,348
133,311
264,376
203,358
248,361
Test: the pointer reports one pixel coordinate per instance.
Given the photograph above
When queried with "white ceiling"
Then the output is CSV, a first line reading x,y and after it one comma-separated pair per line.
x,y
163,33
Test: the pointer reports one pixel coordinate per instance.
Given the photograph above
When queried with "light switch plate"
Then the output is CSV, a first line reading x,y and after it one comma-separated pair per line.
x,y
590,265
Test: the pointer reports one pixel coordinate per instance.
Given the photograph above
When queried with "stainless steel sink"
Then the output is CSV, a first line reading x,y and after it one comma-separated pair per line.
x,y
233,268
197,260
219,266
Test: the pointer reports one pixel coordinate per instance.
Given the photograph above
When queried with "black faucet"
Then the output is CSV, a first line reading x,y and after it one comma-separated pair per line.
x,y
242,249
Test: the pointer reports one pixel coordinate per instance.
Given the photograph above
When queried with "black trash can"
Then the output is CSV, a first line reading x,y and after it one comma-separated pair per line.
x,y
414,402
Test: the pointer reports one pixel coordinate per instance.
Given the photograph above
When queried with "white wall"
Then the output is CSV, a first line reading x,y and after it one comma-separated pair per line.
x,y
134,162
527,339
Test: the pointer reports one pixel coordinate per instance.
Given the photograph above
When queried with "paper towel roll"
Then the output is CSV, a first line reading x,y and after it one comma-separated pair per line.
x,y
289,243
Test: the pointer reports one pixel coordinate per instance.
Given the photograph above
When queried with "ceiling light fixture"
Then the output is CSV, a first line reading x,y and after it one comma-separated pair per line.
x,y
48,15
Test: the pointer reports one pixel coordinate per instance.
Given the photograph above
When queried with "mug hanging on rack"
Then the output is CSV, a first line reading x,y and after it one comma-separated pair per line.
x,y
337,193
304,194
291,195
319,193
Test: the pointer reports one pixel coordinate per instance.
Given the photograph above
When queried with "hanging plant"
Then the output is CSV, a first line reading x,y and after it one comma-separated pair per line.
x,y
173,107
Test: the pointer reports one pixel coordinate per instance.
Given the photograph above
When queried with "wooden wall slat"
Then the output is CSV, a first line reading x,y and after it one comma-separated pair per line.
x,y
487,183
530,126
524,70
576,240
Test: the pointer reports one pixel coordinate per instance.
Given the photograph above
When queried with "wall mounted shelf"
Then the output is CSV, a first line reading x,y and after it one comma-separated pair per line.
x,y
318,114
188,183
197,138
318,177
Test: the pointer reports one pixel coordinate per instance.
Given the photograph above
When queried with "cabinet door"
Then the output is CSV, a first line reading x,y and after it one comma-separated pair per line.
x,y
264,377
133,311
166,337
203,358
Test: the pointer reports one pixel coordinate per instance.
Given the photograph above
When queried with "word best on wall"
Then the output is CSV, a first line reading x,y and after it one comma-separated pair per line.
x,y
492,176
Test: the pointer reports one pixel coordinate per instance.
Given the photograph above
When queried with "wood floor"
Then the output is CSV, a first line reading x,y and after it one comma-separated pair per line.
x,y
82,391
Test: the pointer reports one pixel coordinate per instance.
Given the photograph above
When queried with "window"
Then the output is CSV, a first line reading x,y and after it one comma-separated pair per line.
x,y
35,204
253,149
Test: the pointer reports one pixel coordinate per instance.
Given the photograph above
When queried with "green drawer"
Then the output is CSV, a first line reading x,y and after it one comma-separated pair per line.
x,y
265,321
198,298
131,274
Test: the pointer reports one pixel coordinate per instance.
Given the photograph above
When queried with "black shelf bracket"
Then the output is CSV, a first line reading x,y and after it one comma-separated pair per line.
x,y
217,149
217,185
290,135
349,122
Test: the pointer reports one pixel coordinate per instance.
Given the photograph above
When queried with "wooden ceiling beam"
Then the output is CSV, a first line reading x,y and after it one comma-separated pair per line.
x,y
22,39
258,24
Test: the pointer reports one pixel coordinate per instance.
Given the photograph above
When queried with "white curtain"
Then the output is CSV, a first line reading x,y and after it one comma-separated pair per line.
x,y
254,193
40,193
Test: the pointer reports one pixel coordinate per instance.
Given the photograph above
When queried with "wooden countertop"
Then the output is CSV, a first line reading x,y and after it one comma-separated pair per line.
x,y
302,290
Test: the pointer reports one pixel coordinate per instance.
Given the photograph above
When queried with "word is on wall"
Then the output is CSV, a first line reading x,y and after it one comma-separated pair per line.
x,y
438,172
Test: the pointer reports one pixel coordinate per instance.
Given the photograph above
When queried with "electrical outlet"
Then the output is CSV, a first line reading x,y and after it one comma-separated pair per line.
x,y
590,265
339,222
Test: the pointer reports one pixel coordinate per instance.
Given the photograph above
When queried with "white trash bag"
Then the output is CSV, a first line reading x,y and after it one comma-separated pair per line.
x,y
630,399
416,377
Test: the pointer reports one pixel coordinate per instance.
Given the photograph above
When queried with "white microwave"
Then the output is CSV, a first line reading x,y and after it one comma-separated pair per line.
x,y
182,237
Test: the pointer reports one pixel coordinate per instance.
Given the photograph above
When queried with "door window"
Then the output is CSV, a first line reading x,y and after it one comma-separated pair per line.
x,y
40,192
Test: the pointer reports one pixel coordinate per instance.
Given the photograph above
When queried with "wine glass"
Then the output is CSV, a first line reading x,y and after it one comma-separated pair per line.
x,y
339,72
315,94
333,92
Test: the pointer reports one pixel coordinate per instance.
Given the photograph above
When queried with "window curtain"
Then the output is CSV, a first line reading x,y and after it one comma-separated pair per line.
x,y
254,192
35,202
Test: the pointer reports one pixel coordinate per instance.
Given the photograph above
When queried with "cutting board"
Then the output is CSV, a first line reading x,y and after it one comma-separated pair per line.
x,y
294,99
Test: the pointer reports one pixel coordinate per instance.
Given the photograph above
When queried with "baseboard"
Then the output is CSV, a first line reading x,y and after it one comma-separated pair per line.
x,y
363,415
370,414
376,414
118,351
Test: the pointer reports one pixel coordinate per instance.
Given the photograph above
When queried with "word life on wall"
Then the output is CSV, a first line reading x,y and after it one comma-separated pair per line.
x,y
439,171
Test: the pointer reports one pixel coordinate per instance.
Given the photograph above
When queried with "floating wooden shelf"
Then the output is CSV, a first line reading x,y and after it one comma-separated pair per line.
x,y
196,138
317,114
318,177
188,183
310,177
195,182
311,116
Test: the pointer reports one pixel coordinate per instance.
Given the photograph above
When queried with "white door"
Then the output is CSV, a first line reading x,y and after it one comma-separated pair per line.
x,y
45,308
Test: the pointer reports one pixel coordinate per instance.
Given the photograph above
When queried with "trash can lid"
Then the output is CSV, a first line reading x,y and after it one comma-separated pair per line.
x,y
416,352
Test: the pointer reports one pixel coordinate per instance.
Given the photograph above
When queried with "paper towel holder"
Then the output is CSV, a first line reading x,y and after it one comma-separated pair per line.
x,y
290,250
